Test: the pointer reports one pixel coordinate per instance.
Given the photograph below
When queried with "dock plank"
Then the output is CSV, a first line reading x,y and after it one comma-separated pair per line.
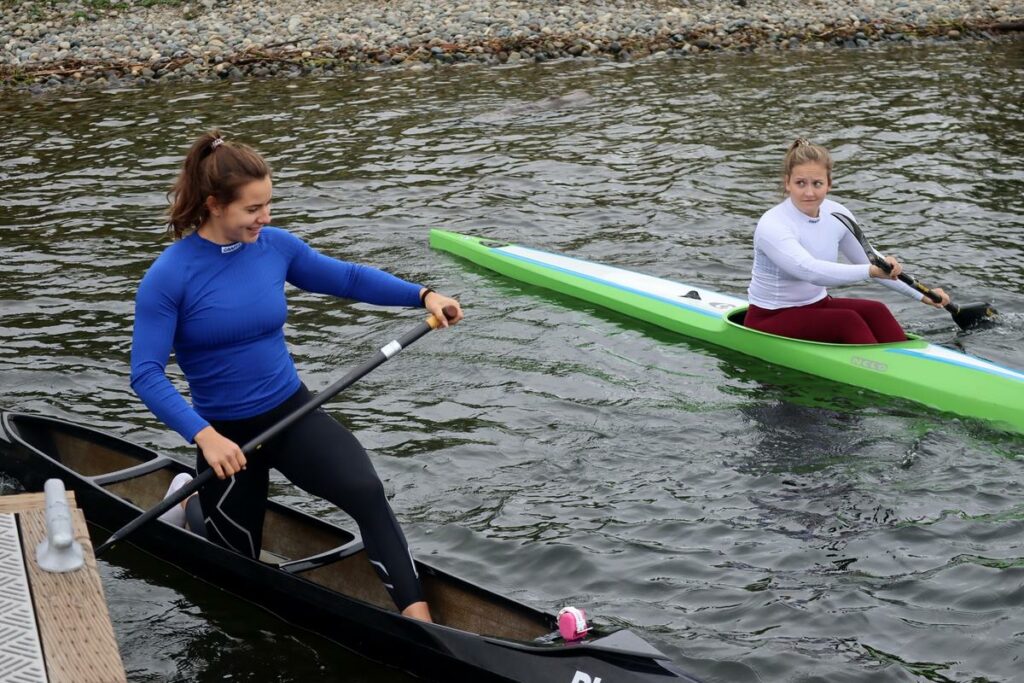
x,y
77,636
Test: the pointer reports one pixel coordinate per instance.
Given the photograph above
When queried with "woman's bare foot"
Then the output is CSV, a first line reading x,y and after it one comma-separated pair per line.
x,y
418,610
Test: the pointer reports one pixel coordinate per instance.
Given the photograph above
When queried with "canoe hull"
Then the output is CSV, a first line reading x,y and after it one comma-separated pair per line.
x,y
935,376
435,652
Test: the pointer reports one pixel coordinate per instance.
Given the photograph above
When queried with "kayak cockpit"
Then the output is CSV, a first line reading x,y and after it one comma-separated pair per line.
x,y
737,317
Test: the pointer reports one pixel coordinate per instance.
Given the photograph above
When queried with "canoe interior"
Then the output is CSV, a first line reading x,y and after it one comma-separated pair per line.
x,y
288,533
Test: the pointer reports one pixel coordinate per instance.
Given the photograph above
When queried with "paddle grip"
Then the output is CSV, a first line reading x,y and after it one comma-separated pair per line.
x,y
449,313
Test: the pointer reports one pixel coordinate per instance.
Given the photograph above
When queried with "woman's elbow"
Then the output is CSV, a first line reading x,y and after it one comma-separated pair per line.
x,y
142,377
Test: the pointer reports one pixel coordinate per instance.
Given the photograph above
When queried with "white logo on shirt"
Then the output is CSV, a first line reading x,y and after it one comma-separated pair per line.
x,y
230,248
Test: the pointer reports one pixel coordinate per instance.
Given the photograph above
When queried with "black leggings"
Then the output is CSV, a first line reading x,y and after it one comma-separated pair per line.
x,y
321,457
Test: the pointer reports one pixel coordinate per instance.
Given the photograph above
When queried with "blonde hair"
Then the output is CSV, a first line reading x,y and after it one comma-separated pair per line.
x,y
803,151
214,167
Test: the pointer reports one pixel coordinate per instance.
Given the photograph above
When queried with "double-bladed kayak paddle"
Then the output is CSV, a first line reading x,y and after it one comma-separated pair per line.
x,y
966,317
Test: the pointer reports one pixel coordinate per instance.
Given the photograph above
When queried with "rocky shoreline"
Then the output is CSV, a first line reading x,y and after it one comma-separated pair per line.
x,y
109,43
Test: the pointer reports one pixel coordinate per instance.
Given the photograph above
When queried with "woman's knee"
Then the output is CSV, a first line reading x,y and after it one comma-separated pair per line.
x,y
874,308
366,491
349,491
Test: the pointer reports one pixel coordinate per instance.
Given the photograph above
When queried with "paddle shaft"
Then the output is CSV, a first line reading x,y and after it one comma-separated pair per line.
x,y
877,259
381,356
964,317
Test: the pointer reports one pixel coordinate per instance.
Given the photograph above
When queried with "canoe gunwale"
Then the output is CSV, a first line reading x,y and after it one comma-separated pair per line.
x,y
140,470
593,646
323,559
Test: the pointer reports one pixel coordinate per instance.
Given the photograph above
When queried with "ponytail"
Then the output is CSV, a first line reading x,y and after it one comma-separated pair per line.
x,y
213,167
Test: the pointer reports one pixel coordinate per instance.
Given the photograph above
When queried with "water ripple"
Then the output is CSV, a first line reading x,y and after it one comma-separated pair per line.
x,y
756,524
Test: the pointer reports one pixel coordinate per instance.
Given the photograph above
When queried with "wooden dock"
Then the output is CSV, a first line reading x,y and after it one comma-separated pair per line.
x,y
54,627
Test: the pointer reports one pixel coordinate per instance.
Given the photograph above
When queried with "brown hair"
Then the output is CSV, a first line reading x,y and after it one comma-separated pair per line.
x,y
803,152
213,167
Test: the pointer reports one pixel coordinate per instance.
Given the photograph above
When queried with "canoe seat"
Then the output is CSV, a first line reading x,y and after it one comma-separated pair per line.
x,y
325,558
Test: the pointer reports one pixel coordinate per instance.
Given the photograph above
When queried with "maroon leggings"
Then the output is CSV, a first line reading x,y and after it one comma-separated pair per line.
x,y
840,321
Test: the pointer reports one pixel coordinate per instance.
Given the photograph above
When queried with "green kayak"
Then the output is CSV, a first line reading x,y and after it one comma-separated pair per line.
x,y
915,369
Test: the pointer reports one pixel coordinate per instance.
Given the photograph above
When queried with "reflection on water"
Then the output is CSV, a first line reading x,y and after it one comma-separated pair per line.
x,y
188,632
756,524
799,439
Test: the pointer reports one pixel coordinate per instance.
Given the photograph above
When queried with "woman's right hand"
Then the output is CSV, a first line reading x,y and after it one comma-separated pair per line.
x,y
894,274
435,302
222,454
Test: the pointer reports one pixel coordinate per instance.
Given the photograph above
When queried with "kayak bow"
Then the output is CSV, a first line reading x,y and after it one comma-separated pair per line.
x,y
917,370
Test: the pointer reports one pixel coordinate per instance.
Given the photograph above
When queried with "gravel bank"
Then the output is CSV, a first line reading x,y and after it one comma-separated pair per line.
x,y
46,43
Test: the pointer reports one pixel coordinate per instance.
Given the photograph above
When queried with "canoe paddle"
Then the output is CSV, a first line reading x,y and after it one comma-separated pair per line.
x,y
966,317
383,354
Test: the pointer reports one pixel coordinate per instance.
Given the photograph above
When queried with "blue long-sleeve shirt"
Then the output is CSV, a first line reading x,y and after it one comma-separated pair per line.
x,y
222,309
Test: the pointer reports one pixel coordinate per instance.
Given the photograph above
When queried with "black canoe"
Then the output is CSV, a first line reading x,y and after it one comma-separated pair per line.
x,y
316,575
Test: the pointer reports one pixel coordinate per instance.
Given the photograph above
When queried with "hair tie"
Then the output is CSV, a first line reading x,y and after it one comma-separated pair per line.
x,y
802,142
217,142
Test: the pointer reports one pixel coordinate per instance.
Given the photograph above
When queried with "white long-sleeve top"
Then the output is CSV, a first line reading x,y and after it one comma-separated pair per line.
x,y
796,257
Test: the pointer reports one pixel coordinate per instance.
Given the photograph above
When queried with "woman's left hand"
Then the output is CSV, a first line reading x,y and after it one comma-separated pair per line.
x,y
936,304
895,267
435,302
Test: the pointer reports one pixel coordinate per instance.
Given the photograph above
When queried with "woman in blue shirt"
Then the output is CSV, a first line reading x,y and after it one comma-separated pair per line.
x,y
216,298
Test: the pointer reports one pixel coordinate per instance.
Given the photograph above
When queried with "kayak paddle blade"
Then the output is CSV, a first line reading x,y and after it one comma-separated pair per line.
x,y
852,226
966,317
975,315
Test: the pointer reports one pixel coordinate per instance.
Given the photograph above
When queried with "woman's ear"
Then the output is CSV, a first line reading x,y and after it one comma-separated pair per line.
x,y
212,206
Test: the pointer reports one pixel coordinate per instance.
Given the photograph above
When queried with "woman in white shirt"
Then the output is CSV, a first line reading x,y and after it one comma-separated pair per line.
x,y
796,250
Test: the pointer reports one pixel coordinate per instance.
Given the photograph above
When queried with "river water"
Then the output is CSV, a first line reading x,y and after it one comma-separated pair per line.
x,y
754,523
